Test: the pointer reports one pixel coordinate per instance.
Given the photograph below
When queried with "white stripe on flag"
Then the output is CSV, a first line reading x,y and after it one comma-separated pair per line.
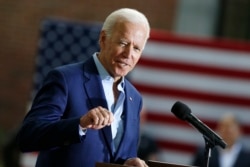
x,y
198,55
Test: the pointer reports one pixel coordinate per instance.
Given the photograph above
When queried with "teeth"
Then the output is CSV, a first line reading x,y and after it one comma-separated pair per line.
x,y
121,63
124,64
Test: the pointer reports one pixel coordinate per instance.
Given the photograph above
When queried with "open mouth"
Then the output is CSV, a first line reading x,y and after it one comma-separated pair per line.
x,y
122,63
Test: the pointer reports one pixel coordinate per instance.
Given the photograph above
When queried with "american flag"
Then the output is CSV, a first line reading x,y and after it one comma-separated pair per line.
x,y
212,77
62,42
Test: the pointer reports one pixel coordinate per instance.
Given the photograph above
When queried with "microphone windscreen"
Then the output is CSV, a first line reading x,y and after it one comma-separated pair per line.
x,y
180,110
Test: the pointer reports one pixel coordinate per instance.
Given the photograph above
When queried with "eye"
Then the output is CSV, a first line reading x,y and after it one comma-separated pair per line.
x,y
137,49
122,43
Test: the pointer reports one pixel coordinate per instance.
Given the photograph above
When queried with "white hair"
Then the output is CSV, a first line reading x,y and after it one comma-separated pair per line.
x,y
125,14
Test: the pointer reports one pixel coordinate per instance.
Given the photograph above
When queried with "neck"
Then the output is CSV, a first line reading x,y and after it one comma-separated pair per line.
x,y
101,59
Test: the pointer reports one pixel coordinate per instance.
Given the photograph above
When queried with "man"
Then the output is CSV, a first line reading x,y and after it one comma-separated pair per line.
x,y
235,154
88,112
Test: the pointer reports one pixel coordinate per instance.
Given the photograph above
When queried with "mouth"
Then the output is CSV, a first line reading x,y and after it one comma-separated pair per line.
x,y
123,64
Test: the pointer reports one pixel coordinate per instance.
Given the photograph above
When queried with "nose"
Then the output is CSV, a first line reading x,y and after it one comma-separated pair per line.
x,y
128,51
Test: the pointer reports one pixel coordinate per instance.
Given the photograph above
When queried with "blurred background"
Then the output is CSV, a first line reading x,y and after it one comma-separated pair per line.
x,y
205,23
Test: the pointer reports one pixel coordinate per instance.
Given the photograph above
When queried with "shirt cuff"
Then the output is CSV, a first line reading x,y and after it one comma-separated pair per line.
x,y
82,131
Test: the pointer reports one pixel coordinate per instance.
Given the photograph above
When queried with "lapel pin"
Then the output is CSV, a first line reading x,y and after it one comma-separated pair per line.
x,y
130,98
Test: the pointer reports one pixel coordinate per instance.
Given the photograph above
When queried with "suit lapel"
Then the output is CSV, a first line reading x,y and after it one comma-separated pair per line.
x,y
128,117
93,86
95,93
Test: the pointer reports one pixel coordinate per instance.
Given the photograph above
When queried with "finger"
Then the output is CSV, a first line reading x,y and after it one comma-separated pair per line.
x,y
145,165
142,163
93,118
111,118
93,115
108,116
89,119
104,115
99,118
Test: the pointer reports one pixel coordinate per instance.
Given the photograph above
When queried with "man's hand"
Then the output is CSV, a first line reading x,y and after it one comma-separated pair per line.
x,y
135,162
97,118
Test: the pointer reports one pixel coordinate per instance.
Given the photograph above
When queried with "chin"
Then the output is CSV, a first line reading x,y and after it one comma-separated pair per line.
x,y
120,72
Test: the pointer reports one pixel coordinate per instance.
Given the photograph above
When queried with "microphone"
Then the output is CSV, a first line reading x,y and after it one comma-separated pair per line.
x,y
183,112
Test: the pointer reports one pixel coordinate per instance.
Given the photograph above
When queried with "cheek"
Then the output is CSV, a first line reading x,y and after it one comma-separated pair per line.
x,y
135,59
114,51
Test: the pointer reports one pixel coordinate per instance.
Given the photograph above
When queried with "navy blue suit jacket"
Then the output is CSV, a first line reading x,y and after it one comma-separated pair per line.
x,y
52,125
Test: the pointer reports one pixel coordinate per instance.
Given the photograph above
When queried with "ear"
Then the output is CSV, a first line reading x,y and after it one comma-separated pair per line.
x,y
102,38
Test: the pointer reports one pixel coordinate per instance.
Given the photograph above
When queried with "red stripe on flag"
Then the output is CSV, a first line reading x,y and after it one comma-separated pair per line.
x,y
163,36
164,119
194,68
191,94
176,146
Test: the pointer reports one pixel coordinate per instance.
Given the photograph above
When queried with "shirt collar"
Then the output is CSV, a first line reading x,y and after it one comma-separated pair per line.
x,y
103,72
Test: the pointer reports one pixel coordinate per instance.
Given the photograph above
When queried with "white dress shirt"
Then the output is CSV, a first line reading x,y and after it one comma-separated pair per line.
x,y
229,156
116,108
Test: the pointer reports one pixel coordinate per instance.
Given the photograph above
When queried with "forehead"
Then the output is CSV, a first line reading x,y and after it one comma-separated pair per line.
x,y
228,121
129,30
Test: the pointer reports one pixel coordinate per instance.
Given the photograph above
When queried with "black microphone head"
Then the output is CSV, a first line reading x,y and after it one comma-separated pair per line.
x,y
180,110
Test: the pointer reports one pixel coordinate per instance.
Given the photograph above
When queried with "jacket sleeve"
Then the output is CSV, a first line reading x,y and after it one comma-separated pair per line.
x,y
43,126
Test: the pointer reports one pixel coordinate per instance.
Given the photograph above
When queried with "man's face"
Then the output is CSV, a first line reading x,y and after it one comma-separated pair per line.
x,y
121,51
229,130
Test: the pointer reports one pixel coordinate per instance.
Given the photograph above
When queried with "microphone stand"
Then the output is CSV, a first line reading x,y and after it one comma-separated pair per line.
x,y
208,147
